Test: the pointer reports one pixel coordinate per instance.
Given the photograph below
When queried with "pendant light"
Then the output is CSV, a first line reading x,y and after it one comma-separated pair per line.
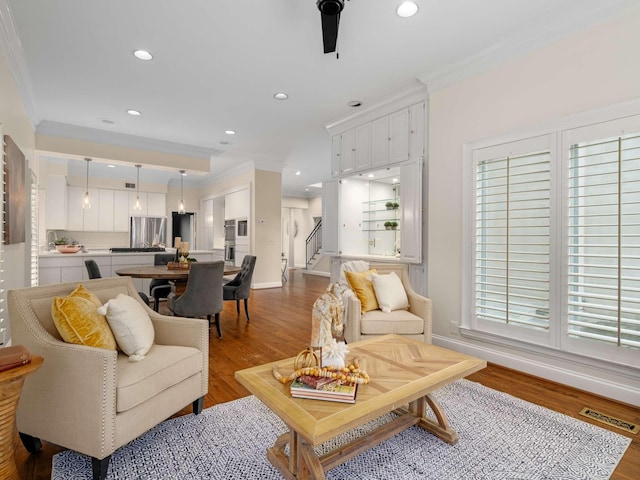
x,y
137,205
181,206
86,201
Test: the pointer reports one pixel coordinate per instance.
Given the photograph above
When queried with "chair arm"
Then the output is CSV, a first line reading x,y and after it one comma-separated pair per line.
x,y
71,397
181,331
421,306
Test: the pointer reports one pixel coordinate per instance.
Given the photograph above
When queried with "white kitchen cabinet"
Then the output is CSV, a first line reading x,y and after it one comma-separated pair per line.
x,y
206,225
417,119
75,212
363,147
56,204
156,204
241,251
120,211
380,142
106,209
399,136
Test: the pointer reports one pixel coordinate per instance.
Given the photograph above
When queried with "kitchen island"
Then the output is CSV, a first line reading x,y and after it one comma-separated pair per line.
x,y
55,267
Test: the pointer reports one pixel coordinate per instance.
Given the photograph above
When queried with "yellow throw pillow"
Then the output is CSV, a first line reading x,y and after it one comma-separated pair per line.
x,y
362,285
77,319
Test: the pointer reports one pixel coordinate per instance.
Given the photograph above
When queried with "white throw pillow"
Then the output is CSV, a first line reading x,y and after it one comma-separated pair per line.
x,y
130,324
390,292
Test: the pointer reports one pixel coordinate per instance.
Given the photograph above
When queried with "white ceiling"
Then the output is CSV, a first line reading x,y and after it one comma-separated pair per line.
x,y
217,65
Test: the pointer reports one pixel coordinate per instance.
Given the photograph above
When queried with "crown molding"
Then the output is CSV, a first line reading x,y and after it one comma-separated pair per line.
x,y
12,47
55,129
531,39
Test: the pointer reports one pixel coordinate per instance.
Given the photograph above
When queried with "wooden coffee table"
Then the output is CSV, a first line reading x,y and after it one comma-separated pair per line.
x,y
403,374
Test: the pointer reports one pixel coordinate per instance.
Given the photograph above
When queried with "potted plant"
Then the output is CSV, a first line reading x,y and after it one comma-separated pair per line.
x,y
396,205
61,241
389,205
387,225
394,225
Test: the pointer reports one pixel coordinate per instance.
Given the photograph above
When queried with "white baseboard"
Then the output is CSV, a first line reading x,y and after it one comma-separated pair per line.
x,y
259,286
317,273
598,386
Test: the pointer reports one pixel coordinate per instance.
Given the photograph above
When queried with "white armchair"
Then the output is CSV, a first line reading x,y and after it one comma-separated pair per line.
x,y
414,322
94,400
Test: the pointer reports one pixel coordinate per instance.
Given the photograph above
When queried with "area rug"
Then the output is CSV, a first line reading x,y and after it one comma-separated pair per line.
x,y
501,437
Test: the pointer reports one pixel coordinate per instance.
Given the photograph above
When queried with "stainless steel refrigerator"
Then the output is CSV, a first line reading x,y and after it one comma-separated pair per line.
x,y
147,232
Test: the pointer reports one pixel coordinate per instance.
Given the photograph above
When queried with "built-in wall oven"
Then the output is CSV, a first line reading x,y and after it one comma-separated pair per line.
x,y
229,240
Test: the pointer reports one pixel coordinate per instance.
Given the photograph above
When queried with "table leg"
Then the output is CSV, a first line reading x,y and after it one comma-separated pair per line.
x,y
441,428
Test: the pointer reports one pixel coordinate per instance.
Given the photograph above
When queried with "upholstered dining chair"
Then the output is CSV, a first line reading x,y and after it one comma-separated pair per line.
x,y
159,288
240,287
203,294
94,272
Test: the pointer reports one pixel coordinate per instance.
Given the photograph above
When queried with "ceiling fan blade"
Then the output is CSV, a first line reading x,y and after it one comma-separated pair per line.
x,y
330,31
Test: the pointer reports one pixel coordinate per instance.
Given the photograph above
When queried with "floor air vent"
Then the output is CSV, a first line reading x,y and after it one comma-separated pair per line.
x,y
612,421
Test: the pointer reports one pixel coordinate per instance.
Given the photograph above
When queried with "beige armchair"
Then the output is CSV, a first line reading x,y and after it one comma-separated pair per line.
x,y
414,322
93,400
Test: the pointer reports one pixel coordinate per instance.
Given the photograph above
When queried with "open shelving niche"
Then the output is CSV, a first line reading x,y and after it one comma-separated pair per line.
x,y
380,239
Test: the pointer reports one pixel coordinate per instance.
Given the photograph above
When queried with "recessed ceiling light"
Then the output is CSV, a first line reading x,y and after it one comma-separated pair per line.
x,y
281,96
407,9
354,103
142,55
371,175
135,113
111,166
306,189
298,172
395,180
230,132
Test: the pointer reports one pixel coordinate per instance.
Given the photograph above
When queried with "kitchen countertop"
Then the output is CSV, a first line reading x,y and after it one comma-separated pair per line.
x,y
106,252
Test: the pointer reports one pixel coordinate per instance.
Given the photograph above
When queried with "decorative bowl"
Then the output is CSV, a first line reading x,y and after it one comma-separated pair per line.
x,y
68,248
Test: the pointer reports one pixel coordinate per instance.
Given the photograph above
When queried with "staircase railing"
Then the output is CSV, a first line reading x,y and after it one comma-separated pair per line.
x,y
314,242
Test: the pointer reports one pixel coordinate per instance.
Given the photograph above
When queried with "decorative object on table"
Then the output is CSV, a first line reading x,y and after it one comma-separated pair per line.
x,y
184,252
350,373
334,391
327,317
306,359
68,248
334,353
14,356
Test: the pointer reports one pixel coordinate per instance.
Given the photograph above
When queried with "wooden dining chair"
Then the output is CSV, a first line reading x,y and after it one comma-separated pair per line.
x,y
203,294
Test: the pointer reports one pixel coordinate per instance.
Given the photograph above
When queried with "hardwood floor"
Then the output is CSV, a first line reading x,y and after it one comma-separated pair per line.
x,y
280,327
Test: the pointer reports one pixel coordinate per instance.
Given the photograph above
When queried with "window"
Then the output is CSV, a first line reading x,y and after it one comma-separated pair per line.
x,y
554,235
604,240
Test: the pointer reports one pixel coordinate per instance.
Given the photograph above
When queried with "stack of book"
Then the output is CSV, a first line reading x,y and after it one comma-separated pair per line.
x,y
15,356
322,388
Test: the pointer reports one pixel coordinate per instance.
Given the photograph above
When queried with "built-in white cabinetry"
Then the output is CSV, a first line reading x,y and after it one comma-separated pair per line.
x,y
399,136
110,209
206,223
331,217
56,204
377,216
387,140
120,211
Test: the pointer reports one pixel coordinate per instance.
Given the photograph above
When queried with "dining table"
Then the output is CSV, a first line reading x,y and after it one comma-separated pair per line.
x,y
177,276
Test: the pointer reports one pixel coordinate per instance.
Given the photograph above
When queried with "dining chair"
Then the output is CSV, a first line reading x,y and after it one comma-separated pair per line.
x,y
94,272
240,287
203,294
159,288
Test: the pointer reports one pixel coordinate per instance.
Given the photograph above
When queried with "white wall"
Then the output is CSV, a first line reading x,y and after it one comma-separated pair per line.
x,y
586,71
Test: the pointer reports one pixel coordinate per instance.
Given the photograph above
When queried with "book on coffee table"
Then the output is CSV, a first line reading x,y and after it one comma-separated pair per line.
x,y
334,391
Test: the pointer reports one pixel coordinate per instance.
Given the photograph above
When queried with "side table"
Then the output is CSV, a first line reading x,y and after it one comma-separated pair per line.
x,y
11,382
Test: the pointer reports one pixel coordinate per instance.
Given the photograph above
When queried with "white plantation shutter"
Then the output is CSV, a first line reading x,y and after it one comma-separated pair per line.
x,y
604,240
512,236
